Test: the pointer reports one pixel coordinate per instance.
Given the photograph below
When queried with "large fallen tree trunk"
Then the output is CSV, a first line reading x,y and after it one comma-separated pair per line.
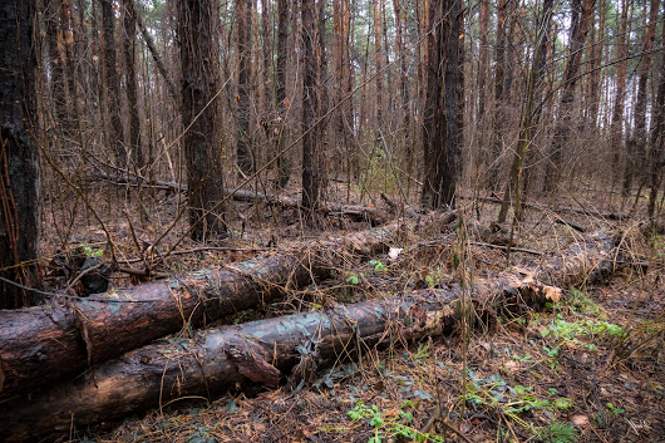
x,y
44,343
264,351
374,216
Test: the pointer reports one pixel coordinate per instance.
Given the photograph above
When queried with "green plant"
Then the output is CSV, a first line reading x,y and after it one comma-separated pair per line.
x,y
582,303
615,410
378,265
89,251
389,427
557,432
353,279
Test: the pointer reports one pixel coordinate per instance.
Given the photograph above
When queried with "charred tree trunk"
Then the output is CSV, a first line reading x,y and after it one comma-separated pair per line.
x,y
443,132
71,334
19,158
263,352
244,155
131,83
582,11
311,177
117,136
197,33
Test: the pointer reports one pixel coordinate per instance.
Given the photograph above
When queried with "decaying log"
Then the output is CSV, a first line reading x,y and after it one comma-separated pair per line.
x,y
374,216
44,343
260,352
265,351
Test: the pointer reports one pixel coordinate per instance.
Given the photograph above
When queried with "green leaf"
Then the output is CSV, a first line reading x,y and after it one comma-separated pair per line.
x,y
353,279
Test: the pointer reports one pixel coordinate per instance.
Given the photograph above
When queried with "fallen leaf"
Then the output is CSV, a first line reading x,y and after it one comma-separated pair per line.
x,y
580,420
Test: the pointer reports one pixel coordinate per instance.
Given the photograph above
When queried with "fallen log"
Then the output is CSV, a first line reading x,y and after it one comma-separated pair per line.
x,y
374,216
264,351
617,216
41,344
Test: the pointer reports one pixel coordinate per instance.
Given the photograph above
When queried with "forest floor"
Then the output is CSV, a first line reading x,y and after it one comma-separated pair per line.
x,y
590,368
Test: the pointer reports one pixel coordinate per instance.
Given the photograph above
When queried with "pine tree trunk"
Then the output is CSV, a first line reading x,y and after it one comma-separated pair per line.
x,y
197,30
283,161
443,118
131,81
19,158
310,147
117,135
244,154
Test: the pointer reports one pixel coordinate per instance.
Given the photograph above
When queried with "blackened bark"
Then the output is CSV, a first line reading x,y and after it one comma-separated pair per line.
x,y
117,136
199,53
19,159
131,82
244,154
442,137
310,148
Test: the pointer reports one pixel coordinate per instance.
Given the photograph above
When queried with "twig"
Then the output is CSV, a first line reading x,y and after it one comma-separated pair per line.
x,y
506,248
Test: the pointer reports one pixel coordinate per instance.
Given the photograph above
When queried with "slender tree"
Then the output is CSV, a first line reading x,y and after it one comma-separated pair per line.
x,y
616,126
444,105
244,154
197,29
112,78
19,159
131,81
636,147
283,161
657,142
311,178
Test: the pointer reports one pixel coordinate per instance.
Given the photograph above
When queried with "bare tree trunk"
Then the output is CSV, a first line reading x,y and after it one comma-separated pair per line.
x,y
636,147
197,29
582,11
443,127
283,162
244,154
19,158
310,148
58,83
377,19
657,152
483,60
499,105
616,127
117,136
131,81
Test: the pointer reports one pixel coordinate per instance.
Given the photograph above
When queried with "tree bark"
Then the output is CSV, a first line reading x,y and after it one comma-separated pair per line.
x,y
636,146
657,142
41,344
443,127
19,155
197,33
117,136
311,177
244,155
262,352
131,83
283,161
